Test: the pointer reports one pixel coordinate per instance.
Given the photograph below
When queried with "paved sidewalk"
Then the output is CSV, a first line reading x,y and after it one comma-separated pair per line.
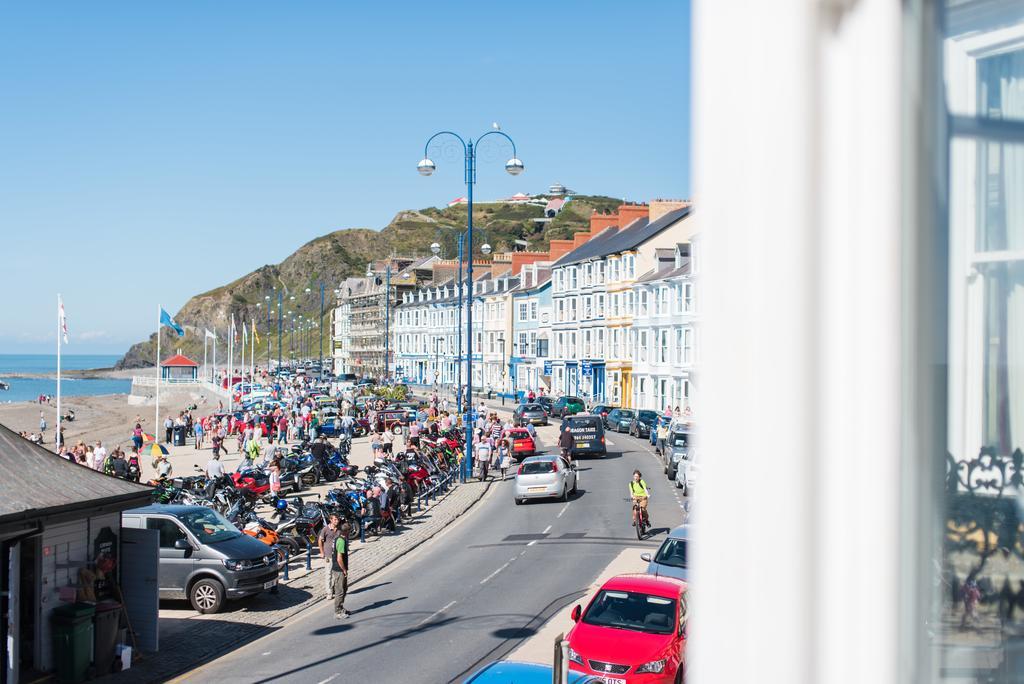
x,y
188,639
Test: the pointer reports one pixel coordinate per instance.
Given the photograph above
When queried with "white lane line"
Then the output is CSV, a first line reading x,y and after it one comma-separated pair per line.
x,y
331,678
487,579
434,615
546,529
563,510
265,653
609,442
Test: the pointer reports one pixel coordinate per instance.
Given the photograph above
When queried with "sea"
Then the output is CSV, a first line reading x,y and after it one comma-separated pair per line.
x,y
14,366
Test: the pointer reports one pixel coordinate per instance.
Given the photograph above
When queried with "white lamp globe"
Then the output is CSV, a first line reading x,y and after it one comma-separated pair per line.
x,y
514,166
435,248
426,167
485,248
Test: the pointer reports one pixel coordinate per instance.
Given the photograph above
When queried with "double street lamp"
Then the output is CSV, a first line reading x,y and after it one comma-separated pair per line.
x,y
426,167
387,314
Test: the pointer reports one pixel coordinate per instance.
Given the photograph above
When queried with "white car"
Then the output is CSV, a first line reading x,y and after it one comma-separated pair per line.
x,y
687,471
545,477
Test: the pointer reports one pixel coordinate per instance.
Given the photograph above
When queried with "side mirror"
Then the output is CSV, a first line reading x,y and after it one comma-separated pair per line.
x,y
576,613
182,545
646,557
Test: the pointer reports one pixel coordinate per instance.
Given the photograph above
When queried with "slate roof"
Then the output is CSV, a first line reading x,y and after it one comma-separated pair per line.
x,y
614,240
663,273
36,483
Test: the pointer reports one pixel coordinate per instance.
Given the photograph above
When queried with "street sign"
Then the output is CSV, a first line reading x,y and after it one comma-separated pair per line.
x,y
547,368
586,369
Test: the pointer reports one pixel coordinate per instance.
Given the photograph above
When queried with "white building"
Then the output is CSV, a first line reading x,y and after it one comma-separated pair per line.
x,y
665,329
497,340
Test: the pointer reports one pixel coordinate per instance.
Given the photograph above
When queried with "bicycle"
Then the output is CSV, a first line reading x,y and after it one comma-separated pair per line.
x,y
643,520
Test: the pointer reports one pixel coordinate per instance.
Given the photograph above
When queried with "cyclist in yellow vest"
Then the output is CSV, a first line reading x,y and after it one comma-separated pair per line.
x,y
639,493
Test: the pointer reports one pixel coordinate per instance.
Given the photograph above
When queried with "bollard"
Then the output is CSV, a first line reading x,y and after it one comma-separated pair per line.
x,y
309,555
362,531
286,559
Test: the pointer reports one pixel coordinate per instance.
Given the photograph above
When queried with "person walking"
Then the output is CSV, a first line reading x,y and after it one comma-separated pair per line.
x,y
565,442
197,428
339,572
325,541
168,429
137,436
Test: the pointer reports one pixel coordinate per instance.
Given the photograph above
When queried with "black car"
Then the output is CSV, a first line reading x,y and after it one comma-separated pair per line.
x,y
602,410
642,423
526,414
547,402
620,419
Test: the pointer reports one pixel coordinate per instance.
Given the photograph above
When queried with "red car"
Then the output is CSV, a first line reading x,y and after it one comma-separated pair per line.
x,y
632,632
522,443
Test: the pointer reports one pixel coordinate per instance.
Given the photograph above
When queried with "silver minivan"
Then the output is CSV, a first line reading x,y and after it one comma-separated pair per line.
x,y
203,557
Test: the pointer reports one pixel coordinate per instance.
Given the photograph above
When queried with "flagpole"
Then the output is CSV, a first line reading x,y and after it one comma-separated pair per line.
x,y
204,354
252,352
215,355
56,440
156,420
231,363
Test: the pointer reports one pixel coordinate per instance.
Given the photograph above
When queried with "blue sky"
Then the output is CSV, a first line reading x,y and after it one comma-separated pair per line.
x,y
151,151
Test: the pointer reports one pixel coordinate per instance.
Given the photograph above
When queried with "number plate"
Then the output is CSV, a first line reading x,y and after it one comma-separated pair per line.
x,y
612,680
536,489
268,585
581,445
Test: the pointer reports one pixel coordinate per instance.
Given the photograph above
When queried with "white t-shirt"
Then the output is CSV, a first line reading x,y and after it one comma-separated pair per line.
x,y
214,468
98,456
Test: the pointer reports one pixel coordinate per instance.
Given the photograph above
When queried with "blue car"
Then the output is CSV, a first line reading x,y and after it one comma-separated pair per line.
x,y
507,672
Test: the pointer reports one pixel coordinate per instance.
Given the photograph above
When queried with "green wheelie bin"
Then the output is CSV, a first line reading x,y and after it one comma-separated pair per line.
x,y
72,640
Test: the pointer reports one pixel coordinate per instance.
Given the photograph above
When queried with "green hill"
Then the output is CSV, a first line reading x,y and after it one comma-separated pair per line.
x,y
344,253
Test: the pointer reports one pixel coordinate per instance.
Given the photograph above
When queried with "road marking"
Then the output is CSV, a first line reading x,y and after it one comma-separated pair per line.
x,y
563,510
532,543
546,529
435,614
265,653
609,442
331,678
487,579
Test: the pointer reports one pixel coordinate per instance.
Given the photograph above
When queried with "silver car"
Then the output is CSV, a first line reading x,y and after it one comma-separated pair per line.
x,y
545,477
687,471
670,560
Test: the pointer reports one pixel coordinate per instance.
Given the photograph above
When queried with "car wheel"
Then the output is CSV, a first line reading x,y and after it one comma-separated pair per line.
x,y
686,490
565,493
575,487
671,474
519,502
207,596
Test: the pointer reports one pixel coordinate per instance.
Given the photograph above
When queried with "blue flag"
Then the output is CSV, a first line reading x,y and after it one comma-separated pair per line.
x,y
165,319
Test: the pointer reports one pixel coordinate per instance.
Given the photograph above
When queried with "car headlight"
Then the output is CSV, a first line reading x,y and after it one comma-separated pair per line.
x,y
236,565
654,667
575,657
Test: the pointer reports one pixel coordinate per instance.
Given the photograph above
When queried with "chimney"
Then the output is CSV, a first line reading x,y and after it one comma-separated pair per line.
x,y
661,207
559,248
581,237
599,222
631,212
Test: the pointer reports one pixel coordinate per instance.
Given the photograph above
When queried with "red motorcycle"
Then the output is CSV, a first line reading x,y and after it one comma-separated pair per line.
x,y
255,481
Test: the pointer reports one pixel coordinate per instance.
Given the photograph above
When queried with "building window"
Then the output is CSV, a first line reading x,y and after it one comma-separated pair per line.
x,y
542,349
599,273
533,310
524,311
572,278
687,346
663,301
642,343
642,308
663,354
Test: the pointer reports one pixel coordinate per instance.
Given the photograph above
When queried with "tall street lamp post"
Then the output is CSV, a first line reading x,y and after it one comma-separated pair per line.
x,y
426,167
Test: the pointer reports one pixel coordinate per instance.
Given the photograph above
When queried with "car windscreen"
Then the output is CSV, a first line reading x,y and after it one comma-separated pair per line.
x,y
584,427
672,552
208,526
680,439
537,467
532,407
626,414
633,611
648,415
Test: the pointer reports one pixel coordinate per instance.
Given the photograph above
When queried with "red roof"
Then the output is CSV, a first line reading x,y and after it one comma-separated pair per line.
x,y
179,360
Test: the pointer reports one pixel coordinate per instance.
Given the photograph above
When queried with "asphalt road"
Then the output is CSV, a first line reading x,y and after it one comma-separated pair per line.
x,y
473,593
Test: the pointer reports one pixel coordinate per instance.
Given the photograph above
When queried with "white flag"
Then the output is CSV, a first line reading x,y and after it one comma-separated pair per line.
x,y
244,333
63,319
210,334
